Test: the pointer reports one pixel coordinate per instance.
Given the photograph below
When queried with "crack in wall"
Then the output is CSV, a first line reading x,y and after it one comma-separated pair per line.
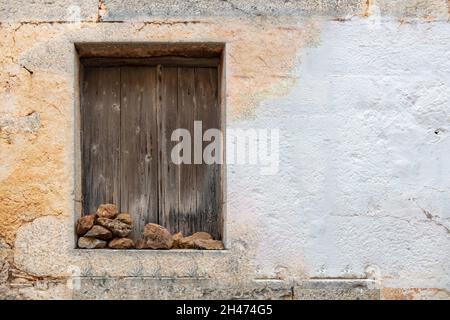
x,y
431,217
237,8
144,24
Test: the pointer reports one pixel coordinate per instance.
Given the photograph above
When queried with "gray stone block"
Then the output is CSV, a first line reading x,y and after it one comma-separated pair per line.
x,y
202,288
142,10
436,9
181,288
337,289
41,10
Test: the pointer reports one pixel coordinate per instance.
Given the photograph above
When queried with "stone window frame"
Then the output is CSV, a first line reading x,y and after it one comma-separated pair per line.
x,y
113,50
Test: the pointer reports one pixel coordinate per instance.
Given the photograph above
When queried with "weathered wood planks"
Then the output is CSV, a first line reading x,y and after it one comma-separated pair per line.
x,y
128,116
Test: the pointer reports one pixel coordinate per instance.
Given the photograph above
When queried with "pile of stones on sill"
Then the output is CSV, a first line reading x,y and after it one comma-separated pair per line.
x,y
105,228
109,228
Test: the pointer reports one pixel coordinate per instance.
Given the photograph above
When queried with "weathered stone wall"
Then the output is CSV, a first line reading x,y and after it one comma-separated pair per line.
x,y
360,206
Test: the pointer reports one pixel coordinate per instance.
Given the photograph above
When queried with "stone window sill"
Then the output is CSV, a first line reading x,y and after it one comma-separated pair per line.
x,y
150,251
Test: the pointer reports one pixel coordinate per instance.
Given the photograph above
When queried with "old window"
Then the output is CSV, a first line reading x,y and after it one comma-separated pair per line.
x,y
129,110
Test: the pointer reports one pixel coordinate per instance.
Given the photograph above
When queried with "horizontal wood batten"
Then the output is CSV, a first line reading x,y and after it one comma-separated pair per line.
x,y
168,61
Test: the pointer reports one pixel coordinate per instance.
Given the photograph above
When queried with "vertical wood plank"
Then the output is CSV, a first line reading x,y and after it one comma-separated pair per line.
x,y
139,180
168,172
208,176
100,114
189,221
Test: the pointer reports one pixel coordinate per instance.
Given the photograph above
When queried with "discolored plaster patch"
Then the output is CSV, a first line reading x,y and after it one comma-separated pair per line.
x,y
414,294
259,56
261,62
29,123
33,130
33,179
23,196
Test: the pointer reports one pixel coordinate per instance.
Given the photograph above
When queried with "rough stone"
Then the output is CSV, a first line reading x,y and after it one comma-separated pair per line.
x,y
99,232
85,223
125,218
201,235
44,256
54,289
91,243
109,211
156,237
4,245
121,243
208,244
118,228
189,242
176,240
4,271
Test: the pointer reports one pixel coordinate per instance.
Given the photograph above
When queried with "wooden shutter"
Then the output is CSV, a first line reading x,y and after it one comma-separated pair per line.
x,y
128,116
